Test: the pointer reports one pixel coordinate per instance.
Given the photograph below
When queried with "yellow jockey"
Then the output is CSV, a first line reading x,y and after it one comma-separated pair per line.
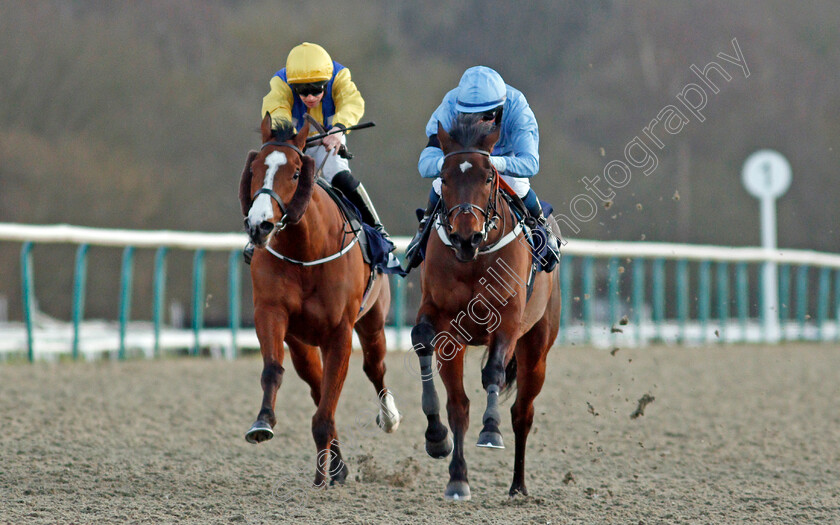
x,y
314,83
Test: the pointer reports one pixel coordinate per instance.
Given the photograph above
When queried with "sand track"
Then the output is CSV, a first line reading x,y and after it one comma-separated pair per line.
x,y
734,435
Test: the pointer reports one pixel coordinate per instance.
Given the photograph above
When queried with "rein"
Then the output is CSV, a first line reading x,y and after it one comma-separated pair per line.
x,y
281,224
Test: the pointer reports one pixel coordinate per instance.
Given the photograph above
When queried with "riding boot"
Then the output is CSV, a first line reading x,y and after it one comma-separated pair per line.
x,y
360,198
538,216
248,252
413,257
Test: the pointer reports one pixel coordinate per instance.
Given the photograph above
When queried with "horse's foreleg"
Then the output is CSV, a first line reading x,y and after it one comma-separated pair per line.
x,y
458,410
307,363
271,328
371,331
531,352
438,442
493,380
336,357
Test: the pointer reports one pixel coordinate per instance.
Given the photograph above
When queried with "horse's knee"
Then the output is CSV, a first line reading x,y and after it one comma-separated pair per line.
x,y
493,373
421,338
272,375
522,417
323,430
374,369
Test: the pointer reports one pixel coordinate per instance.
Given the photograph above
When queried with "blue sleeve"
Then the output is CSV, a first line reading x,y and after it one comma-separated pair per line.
x,y
429,158
428,163
524,157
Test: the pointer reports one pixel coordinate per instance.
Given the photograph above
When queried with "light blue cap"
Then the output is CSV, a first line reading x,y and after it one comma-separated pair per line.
x,y
480,89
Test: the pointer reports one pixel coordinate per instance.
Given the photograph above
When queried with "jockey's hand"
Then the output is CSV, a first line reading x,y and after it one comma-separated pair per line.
x,y
332,142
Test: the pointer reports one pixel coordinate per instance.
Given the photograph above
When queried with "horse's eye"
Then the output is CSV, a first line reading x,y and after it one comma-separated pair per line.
x,y
489,179
296,175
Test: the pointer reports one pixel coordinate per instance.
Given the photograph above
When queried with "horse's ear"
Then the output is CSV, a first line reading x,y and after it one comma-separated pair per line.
x,y
491,139
265,127
245,184
443,138
300,138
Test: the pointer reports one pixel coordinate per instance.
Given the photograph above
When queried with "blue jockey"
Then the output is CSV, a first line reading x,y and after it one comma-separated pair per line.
x,y
516,154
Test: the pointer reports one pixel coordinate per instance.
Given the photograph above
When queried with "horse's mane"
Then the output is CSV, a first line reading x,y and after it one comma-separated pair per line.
x,y
469,130
282,130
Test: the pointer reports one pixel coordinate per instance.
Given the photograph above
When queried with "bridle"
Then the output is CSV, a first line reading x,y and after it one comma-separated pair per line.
x,y
490,212
281,224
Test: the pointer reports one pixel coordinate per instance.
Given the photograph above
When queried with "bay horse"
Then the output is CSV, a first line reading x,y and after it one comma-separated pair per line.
x,y
475,288
312,288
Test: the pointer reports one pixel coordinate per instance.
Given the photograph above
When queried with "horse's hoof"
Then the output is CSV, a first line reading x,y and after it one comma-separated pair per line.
x,y
518,491
388,418
457,491
260,431
490,439
340,477
439,449
387,424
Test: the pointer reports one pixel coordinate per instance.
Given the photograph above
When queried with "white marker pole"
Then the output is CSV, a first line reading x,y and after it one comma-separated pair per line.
x,y
766,175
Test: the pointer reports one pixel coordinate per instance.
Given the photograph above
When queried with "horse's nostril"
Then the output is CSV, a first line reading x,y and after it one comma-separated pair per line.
x,y
475,239
266,227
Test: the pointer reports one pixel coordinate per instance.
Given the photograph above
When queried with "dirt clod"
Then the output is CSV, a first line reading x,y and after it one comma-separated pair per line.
x,y
644,401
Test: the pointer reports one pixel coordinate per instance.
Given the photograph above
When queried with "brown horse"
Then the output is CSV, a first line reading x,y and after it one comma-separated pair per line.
x,y
312,288
475,282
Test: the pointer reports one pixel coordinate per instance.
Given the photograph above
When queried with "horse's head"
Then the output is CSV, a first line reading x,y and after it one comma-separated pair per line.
x,y
468,183
277,182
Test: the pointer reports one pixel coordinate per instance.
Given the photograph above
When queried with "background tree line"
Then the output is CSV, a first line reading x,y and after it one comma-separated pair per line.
x,y
139,114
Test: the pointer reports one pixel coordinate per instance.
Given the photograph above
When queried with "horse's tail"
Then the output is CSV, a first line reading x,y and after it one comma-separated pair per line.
x,y
510,376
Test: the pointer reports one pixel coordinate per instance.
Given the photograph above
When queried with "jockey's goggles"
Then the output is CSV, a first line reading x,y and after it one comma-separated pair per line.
x,y
490,115
309,89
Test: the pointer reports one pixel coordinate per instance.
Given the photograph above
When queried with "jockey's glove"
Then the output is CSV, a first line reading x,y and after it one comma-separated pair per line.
x,y
500,163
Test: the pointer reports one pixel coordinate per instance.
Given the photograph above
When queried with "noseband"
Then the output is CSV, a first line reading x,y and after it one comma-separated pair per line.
x,y
281,224
490,213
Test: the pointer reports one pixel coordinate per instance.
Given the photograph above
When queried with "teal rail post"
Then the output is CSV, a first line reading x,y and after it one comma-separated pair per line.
x,y
802,298
704,300
682,298
125,295
588,298
234,300
658,285
399,309
79,281
613,291
198,298
723,299
762,317
639,297
565,295
159,294
742,291
822,301
784,299
28,297
837,305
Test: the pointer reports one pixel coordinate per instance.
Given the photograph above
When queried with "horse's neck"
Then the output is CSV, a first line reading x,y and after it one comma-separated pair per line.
x,y
318,234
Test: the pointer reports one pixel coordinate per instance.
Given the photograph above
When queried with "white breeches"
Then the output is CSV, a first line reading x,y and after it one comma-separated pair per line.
x,y
334,164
